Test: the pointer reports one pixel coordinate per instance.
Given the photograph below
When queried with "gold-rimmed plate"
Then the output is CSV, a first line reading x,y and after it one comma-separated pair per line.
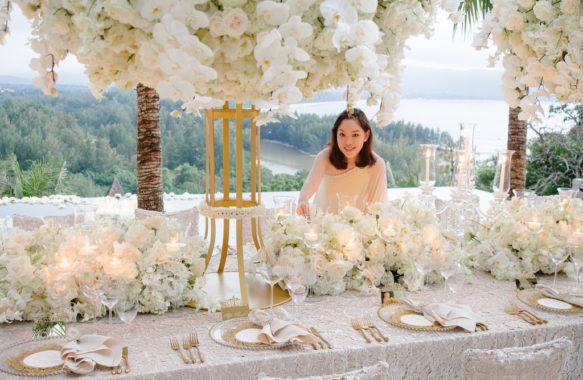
x,y
536,299
406,318
32,358
240,333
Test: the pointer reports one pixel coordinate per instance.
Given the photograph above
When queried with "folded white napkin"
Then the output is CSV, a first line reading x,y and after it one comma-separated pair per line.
x,y
276,330
80,356
446,314
572,297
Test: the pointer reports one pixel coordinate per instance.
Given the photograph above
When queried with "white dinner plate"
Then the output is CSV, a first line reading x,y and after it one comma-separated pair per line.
x,y
554,304
44,359
248,336
416,320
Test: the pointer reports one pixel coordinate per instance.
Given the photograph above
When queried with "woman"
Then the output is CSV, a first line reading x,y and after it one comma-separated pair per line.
x,y
347,169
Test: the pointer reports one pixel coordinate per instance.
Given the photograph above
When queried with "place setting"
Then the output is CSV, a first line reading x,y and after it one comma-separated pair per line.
x,y
72,354
550,299
261,330
433,316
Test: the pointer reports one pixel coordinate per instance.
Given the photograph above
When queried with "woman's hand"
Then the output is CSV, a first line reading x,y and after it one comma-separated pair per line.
x,y
303,209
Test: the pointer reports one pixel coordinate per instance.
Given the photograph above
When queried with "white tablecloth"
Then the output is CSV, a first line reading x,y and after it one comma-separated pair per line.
x,y
410,354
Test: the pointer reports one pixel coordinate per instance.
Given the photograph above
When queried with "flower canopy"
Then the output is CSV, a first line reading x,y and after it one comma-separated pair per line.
x,y
541,45
202,52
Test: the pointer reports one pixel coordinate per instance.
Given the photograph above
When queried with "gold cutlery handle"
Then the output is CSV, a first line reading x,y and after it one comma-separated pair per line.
x,y
314,331
361,331
374,334
381,334
182,356
199,354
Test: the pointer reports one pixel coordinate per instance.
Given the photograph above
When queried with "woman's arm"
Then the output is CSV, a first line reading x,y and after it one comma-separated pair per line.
x,y
312,182
377,188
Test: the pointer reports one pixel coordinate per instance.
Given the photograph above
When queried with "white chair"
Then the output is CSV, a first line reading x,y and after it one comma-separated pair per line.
x,y
378,371
540,361
186,218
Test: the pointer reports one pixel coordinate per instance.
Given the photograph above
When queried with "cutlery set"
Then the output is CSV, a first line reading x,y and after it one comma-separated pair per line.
x,y
119,369
363,325
322,343
525,315
190,343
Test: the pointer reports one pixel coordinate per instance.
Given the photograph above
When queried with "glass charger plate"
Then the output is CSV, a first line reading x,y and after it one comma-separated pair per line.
x,y
536,299
225,333
408,319
16,357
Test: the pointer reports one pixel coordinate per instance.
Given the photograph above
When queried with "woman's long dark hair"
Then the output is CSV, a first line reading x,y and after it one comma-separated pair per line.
x,y
365,156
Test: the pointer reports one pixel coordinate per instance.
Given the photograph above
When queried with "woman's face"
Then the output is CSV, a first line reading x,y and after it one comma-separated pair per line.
x,y
350,138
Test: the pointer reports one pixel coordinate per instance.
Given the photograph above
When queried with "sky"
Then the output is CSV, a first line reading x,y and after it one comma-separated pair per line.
x,y
441,51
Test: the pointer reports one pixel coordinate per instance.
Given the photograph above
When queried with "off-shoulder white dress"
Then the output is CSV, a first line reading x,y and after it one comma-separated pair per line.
x,y
363,186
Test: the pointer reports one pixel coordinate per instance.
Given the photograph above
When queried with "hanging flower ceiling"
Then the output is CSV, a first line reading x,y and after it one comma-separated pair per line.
x,y
202,52
541,45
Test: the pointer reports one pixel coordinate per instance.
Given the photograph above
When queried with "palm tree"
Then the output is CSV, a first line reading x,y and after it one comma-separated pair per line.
x,y
149,150
516,141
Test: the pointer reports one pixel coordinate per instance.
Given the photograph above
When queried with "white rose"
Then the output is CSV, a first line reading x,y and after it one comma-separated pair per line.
x,y
570,6
526,4
514,21
216,25
543,10
272,13
337,269
235,22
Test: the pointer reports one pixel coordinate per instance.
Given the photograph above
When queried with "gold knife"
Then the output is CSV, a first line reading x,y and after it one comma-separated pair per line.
x,y
124,355
314,331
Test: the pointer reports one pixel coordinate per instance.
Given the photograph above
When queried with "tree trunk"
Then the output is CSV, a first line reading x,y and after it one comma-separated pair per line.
x,y
149,150
517,142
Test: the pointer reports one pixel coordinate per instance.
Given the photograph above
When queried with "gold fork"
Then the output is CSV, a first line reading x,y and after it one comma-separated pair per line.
x,y
358,327
370,324
195,344
176,347
187,344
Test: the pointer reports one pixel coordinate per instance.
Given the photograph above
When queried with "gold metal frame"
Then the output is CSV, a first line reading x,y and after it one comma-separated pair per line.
x,y
228,114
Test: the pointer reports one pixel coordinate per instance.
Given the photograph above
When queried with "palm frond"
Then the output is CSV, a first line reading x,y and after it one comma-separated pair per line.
x,y
474,11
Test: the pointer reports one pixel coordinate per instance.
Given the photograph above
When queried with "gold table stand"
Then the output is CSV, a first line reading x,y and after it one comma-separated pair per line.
x,y
224,285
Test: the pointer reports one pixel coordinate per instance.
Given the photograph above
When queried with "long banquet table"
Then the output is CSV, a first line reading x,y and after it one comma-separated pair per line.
x,y
410,354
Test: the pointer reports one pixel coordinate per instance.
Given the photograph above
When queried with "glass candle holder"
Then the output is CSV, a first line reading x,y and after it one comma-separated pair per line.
x,y
467,136
501,183
428,167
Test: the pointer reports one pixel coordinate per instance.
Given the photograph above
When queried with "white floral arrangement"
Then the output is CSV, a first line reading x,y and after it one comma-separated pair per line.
x,y
203,52
514,242
540,45
359,250
42,272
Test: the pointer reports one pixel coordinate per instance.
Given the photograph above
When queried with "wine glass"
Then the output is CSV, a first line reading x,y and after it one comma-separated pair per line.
x,y
88,282
127,310
576,253
423,263
557,255
446,270
297,289
272,275
109,296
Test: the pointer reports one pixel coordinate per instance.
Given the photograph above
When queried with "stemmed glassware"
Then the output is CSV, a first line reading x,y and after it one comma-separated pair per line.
x,y
423,263
576,253
127,310
271,273
557,255
297,289
109,296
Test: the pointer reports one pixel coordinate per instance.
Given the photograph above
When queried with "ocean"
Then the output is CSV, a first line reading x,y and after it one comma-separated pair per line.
x,y
490,117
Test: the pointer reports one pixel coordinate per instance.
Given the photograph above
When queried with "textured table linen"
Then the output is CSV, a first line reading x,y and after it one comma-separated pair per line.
x,y
410,354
